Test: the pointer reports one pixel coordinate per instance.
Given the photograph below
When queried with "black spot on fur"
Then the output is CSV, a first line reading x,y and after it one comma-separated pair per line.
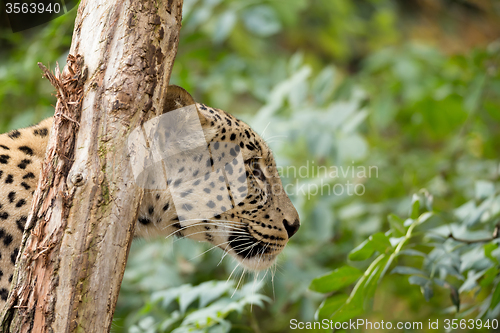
x,y
11,196
27,150
26,186
177,182
4,293
13,256
151,210
186,193
7,239
29,175
4,216
9,179
4,159
21,223
144,220
21,203
165,208
41,132
187,207
4,147
233,136
242,178
24,163
210,204
14,134
229,169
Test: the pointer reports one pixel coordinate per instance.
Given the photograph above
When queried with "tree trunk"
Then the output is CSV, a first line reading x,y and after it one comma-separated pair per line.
x,y
83,214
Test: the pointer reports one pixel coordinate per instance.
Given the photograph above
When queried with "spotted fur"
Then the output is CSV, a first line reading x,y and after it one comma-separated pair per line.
x,y
253,226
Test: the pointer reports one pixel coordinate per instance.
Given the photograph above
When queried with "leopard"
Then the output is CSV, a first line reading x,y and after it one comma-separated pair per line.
x,y
226,192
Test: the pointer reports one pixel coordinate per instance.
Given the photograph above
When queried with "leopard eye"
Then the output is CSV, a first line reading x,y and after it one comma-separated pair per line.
x,y
256,169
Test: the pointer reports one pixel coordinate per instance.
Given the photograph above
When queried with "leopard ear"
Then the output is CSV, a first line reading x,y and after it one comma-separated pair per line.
x,y
177,98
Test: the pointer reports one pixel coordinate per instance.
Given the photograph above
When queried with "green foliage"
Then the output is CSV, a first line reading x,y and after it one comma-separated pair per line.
x,y
450,262
216,300
359,117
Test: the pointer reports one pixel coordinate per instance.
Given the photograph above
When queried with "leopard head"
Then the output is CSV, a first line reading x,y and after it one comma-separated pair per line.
x,y
208,176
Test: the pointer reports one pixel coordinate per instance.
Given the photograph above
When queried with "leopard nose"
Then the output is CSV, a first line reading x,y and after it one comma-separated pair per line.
x,y
291,228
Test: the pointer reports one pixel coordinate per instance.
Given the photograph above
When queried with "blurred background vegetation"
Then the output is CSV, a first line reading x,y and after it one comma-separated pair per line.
x,y
410,87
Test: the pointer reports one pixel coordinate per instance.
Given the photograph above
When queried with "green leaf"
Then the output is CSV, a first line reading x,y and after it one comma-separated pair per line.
x,y
372,282
484,189
473,96
352,308
495,299
407,270
362,252
424,217
188,297
261,20
397,225
428,291
335,280
224,26
329,306
412,252
489,276
488,249
415,206
213,290
418,280
380,242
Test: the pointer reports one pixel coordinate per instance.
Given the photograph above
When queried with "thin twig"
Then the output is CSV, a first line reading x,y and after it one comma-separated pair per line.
x,y
495,235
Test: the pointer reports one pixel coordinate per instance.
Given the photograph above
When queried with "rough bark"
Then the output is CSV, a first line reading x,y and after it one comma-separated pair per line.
x,y
83,214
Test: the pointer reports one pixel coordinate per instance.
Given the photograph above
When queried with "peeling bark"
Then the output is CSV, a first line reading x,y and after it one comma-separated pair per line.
x,y
83,214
